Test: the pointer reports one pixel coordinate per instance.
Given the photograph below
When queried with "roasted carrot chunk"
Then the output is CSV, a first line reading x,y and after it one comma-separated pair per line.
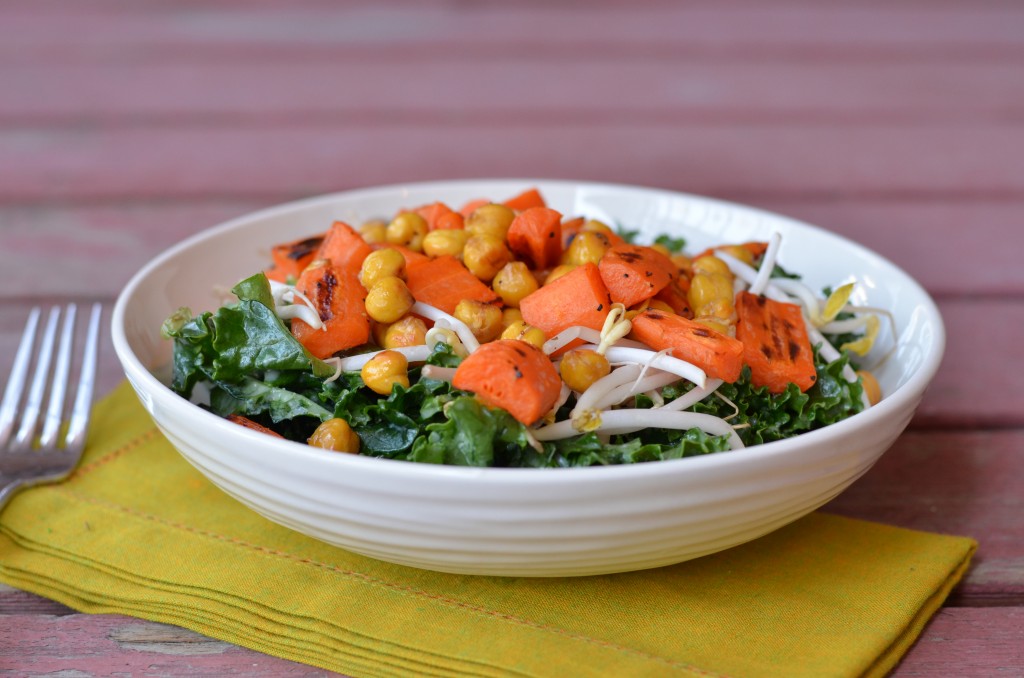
x,y
250,424
291,257
339,300
527,199
439,216
444,282
720,356
472,205
775,343
535,237
513,375
633,273
577,298
674,294
344,247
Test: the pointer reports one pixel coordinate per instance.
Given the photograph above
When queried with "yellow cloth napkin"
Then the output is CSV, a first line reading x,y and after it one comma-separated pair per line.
x,y
138,531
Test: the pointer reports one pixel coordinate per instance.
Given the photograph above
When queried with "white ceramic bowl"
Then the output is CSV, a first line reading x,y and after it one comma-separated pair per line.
x,y
528,522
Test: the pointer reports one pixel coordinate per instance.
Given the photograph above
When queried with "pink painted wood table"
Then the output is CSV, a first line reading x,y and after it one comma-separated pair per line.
x,y
125,127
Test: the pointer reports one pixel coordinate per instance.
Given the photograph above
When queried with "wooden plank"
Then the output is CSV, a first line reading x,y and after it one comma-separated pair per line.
x,y
965,483
77,644
965,641
435,88
746,162
970,643
113,30
953,248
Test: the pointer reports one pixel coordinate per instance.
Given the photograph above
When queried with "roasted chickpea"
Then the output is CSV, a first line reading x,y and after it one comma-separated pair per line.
x,y
514,282
493,220
408,230
374,231
582,367
523,332
389,300
711,295
406,331
509,316
448,241
381,264
485,255
384,370
683,263
660,305
335,434
586,247
557,272
709,264
595,226
484,320
872,389
658,247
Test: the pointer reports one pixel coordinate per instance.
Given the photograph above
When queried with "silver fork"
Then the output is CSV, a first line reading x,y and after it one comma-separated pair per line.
x,y
35,445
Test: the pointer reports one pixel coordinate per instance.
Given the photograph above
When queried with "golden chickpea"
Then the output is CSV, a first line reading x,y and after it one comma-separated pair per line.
x,y
872,389
448,241
389,300
595,226
514,282
374,231
586,247
510,316
335,434
711,295
493,220
381,264
406,331
660,305
408,230
484,320
658,247
557,272
523,332
485,255
384,370
582,367
709,263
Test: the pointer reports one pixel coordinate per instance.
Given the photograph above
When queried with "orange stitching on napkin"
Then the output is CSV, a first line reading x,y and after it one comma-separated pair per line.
x,y
399,588
110,456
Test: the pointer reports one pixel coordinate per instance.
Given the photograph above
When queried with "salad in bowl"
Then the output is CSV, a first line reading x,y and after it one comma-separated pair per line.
x,y
398,401
504,333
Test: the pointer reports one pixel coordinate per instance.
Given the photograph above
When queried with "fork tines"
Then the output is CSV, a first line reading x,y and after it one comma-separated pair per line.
x,y
53,362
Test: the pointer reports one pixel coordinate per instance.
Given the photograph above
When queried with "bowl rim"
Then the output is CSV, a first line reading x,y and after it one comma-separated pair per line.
x,y
142,378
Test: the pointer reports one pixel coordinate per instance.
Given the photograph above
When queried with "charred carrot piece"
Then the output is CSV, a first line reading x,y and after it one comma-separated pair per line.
x,y
344,247
720,356
513,375
674,294
439,216
775,343
472,205
444,282
535,237
339,299
577,298
526,200
633,273
250,424
291,257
